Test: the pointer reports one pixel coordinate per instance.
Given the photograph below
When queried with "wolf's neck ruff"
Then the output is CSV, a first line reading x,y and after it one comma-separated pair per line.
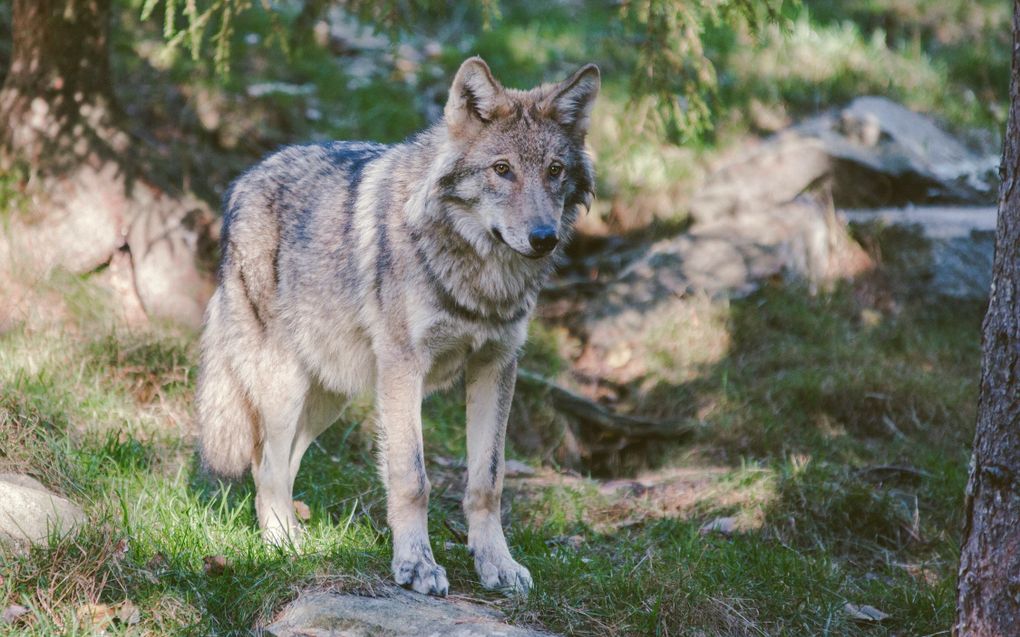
x,y
497,285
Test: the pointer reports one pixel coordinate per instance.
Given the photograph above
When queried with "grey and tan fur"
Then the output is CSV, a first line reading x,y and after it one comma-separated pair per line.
x,y
350,268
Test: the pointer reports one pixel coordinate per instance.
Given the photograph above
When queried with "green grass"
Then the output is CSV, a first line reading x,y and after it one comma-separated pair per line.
x,y
787,444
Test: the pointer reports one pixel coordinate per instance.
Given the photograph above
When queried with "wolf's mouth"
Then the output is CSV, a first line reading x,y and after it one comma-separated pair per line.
x,y
499,235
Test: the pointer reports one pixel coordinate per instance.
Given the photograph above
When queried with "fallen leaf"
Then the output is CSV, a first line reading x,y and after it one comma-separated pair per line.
x,y
96,616
722,526
864,613
13,612
157,562
120,549
302,511
128,613
516,468
215,565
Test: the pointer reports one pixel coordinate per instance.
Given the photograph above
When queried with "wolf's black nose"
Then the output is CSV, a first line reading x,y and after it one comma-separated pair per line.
x,y
543,239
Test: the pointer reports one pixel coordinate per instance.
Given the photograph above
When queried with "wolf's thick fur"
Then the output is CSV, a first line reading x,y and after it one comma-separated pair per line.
x,y
356,267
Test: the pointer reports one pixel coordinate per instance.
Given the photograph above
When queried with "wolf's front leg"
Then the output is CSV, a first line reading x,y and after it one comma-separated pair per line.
x,y
490,390
398,398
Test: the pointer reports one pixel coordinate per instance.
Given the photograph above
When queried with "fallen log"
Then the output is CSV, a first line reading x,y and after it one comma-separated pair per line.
x,y
594,416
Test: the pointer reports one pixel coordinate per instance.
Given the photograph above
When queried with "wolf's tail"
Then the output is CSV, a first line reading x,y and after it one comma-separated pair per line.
x,y
227,423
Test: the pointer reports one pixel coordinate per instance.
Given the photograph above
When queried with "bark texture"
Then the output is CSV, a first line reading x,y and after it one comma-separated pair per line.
x,y
988,588
60,128
59,78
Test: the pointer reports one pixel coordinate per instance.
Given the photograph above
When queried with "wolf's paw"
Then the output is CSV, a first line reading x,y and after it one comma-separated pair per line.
x,y
503,573
421,574
283,536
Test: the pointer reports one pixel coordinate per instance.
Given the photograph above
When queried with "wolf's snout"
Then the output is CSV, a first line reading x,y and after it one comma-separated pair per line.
x,y
543,239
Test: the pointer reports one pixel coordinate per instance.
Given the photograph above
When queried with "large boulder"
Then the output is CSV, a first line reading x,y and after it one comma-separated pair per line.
x,y
921,162
30,513
801,240
873,152
393,613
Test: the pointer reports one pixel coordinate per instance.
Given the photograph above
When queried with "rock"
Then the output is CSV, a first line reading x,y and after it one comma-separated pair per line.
x,y
883,153
770,213
729,256
923,145
395,613
118,278
93,216
166,241
726,526
874,152
864,613
29,512
764,176
516,469
262,89
13,613
958,249
78,225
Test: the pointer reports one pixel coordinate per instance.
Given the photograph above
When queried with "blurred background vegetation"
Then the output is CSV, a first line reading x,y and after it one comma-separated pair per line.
x,y
682,81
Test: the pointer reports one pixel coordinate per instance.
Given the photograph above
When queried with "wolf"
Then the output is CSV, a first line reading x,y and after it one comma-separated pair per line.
x,y
350,268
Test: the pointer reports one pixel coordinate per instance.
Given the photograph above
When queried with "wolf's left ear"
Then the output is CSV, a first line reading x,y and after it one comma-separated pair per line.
x,y
573,99
475,96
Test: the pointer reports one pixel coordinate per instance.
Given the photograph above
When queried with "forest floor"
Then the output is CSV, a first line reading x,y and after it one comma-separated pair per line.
x,y
830,453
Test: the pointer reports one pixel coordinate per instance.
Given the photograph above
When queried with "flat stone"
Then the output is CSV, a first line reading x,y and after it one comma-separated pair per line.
x,y
395,613
29,512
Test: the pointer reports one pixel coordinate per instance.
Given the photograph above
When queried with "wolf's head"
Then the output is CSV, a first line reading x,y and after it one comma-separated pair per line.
x,y
521,168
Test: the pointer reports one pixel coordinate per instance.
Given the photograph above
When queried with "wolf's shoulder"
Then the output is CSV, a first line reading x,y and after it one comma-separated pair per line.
x,y
299,168
298,160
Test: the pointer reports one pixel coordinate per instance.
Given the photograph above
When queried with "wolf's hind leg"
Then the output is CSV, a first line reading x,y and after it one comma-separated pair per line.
x,y
321,410
490,390
280,402
398,399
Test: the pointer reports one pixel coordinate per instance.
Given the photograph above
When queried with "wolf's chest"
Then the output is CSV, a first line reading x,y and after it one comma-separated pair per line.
x,y
448,351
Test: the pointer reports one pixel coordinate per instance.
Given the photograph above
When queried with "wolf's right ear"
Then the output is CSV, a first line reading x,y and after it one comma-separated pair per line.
x,y
574,98
474,98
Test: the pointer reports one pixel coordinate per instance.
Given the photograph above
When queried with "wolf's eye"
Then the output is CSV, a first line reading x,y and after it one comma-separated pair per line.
x,y
555,170
501,167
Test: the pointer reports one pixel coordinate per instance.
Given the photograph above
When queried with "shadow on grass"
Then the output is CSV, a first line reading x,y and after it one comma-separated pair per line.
x,y
860,414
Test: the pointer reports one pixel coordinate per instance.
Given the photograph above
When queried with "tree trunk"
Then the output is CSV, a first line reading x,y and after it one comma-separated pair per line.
x,y
59,78
988,588
60,128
